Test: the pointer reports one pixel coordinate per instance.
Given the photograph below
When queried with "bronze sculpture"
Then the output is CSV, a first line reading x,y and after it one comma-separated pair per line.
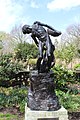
x,y
42,39
41,93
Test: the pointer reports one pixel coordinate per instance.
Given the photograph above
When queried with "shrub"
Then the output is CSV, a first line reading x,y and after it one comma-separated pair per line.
x,y
77,72
69,101
16,97
26,51
77,66
8,68
62,77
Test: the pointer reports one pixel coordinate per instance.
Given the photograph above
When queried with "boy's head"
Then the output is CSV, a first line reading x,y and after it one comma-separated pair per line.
x,y
26,29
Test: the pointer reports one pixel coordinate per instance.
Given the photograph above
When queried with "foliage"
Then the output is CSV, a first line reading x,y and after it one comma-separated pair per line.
x,y
10,97
8,116
66,53
69,101
77,72
2,36
68,95
14,97
26,51
1,44
68,48
8,68
72,36
32,61
62,77
6,43
77,66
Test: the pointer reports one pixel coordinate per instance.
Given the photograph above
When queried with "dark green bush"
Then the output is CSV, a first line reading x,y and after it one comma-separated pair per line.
x,y
14,97
26,51
8,68
62,77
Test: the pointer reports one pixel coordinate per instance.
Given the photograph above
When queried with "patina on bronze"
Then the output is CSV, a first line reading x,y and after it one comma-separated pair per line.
x,y
41,93
42,39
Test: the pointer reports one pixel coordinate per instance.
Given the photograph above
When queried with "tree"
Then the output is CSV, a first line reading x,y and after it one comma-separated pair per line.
x,y
68,53
6,43
18,36
2,35
69,47
0,44
72,36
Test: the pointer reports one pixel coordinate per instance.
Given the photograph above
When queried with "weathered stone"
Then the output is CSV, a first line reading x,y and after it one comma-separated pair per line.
x,y
60,114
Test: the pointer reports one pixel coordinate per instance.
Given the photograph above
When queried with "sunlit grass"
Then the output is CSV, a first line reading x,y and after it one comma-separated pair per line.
x,y
9,116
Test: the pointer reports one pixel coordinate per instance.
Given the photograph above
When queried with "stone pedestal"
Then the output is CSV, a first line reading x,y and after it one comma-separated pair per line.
x,y
60,114
43,104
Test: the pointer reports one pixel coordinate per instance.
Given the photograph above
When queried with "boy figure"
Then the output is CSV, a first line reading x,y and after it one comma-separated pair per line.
x,y
42,39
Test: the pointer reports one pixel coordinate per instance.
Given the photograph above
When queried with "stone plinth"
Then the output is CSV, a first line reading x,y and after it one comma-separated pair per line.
x,y
60,114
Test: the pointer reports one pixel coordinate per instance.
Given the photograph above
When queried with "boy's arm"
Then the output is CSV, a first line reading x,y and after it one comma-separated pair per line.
x,y
35,40
45,25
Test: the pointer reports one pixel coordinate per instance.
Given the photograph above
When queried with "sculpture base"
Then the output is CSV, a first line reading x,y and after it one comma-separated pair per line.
x,y
60,114
41,93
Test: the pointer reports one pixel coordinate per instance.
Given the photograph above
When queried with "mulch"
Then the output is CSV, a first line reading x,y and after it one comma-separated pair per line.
x,y
74,115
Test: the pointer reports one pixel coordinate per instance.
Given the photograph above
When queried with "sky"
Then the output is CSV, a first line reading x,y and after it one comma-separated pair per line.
x,y
57,13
